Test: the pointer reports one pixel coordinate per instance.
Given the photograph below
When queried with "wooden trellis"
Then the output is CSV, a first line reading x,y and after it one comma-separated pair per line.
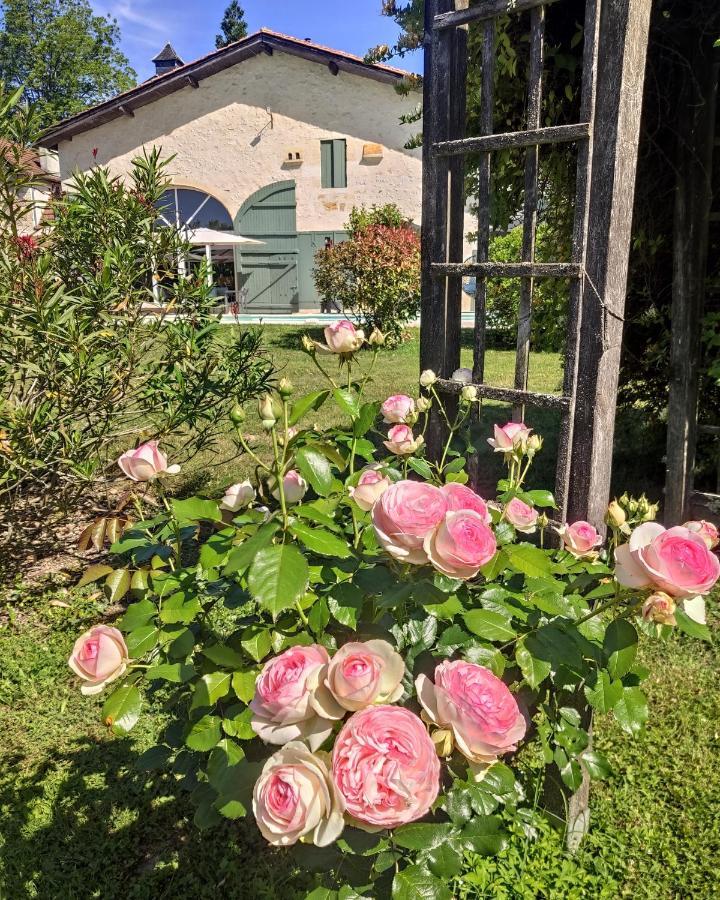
x,y
615,41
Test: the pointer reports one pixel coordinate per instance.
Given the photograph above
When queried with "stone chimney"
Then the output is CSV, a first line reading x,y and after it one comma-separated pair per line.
x,y
166,60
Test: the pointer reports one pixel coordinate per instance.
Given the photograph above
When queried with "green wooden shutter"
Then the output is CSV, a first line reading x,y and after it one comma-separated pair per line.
x,y
326,164
339,164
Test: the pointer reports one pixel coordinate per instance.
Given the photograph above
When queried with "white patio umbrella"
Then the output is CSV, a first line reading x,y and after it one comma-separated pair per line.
x,y
209,238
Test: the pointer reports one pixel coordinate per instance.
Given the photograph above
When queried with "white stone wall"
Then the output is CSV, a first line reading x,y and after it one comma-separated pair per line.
x,y
228,144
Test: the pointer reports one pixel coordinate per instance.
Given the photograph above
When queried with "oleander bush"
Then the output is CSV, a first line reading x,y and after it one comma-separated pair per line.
x,y
383,668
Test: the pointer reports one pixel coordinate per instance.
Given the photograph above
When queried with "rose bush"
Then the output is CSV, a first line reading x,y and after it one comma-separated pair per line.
x,y
358,641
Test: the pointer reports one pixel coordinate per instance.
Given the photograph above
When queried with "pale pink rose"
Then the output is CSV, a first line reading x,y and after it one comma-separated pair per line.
x,y
522,516
343,337
674,560
386,767
461,544
294,487
402,441
660,608
296,797
460,496
99,657
580,539
365,673
397,408
146,462
509,437
291,700
238,496
370,487
707,531
476,705
404,515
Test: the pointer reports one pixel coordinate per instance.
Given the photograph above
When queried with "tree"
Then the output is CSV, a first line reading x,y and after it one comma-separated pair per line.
x,y
65,56
233,25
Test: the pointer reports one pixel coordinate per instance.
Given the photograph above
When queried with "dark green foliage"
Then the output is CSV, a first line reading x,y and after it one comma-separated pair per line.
x,y
64,56
233,25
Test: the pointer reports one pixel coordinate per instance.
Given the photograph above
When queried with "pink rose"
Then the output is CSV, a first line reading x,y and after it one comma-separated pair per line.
x,y
522,516
238,496
460,496
294,487
296,796
509,437
397,408
371,485
386,767
404,515
402,441
580,539
291,700
343,337
145,463
674,560
476,705
707,531
461,544
363,674
99,657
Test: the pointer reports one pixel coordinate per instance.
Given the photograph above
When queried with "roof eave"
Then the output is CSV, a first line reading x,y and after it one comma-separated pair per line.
x,y
194,72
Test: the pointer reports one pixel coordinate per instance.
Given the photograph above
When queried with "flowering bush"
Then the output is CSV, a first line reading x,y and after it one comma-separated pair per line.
x,y
358,641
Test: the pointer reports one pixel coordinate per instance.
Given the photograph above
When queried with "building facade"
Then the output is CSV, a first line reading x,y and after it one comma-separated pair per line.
x,y
273,138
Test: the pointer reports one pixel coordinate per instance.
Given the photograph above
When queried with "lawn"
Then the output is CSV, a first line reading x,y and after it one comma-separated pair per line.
x,y
81,820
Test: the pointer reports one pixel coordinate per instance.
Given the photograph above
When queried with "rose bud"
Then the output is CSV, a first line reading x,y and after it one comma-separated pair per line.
x,y
469,393
364,674
402,442
370,487
659,608
308,344
707,531
521,516
146,463
294,487
423,404
377,338
237,414
269,409
510,437
296,797
615,517
397,409
238,496
534,444
428,378
285,387
98,657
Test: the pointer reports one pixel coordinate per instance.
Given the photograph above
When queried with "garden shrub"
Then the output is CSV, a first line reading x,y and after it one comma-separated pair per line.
x,y
355,645
83,365
375,274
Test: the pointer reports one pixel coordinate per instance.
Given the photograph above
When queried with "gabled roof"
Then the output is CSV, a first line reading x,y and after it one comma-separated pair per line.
x,y
192,73
167,54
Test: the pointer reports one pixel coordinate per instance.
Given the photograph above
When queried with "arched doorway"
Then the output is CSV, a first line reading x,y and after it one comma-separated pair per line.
x,y
268,273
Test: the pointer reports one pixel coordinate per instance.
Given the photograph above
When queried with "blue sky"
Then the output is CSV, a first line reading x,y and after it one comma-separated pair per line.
x,y
191,25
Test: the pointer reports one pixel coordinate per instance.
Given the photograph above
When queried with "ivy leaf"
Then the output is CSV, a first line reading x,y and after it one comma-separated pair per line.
x,y
493,626
121,710
320,541
631,710
315,468
278,577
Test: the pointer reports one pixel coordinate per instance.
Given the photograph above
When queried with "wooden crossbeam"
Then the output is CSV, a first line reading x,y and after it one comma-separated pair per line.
x,y
559,134
509,270
506,395
489,9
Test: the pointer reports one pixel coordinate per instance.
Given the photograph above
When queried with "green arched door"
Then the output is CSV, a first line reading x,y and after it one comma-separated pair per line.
x,y
268,273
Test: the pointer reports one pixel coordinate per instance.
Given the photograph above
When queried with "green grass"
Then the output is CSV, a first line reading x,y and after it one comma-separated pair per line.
x,y
79,821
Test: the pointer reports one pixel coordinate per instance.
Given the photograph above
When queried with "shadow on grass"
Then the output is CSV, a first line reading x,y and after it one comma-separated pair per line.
x,y
104,829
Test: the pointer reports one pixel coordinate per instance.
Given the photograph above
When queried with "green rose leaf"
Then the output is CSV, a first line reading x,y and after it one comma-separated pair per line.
x,y
304,404
529,560
142,640
94,573
620,646
244,684
421,466
320,541
241,557
256,641
604,693
153,758
366,418
445,861
121,710
534,670
416,883
278,578
345,602
215,550
347,401
222,655
137,614
493,626
315,468
483,835
211,688
540,498
196,509
419,836
596,764
204,734
117,585
177,673
631,710
690,627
